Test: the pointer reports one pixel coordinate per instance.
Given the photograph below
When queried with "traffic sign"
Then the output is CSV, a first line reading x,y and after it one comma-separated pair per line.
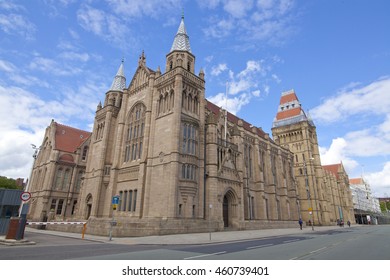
x,y
115,199
25,196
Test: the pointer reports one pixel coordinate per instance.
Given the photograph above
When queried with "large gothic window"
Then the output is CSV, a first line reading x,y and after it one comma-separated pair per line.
x,y
189,139
135,133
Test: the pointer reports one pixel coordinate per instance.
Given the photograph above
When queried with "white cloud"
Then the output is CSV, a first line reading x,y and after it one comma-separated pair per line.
x,y
237,8
219,28
336,153
276,78
248,83
110,28
140,8
7,66
369,105
252,66
17,24
265,4
83,57
51,66
365,110
216,70
234,104
372,99
380,181
210,4
24,122
268,21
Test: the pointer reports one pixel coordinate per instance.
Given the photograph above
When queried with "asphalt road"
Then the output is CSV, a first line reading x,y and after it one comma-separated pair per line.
x,y
357,243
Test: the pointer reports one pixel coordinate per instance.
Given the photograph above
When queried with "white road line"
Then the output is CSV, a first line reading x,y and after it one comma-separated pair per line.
x,y
205,255
317,250
292,240
259,246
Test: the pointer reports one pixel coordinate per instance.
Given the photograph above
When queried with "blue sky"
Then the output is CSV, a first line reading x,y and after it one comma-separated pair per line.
x,y
58,59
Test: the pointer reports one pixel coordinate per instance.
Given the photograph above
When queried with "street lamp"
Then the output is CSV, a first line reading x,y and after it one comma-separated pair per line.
x,y
36,150
308,196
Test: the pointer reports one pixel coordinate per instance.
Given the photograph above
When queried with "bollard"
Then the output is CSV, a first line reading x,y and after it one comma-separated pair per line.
x,y
83,231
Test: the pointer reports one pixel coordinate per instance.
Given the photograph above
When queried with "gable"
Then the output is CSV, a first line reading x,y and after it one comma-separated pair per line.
x,y
140,79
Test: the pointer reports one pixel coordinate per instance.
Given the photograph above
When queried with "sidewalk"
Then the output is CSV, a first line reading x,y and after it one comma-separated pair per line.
x,y
188,238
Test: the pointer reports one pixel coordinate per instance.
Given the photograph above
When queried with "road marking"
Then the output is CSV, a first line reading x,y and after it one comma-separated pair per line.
x,y
292,240
317,250
259,246
205,255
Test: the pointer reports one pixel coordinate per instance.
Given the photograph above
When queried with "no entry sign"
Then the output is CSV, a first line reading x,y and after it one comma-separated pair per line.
x,y
25,196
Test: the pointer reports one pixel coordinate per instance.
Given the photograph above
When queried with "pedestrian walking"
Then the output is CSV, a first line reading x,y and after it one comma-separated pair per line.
x,y
300,223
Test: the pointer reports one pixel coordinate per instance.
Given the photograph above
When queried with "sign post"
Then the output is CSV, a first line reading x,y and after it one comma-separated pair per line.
x,y
210,206
115,202
25,197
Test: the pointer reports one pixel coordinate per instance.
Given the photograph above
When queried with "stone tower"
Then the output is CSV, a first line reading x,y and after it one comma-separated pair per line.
x,y
96,195
294,129
175,157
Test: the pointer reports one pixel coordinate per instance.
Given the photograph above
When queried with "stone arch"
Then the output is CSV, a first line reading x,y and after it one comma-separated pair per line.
x,y
229,207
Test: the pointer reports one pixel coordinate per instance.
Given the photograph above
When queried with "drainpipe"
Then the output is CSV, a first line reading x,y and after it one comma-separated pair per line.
x,y
204,171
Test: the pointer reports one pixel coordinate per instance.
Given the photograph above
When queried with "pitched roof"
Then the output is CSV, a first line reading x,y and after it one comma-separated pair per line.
x,y
290,110
356,181
68,139
288,113
288,96
181,41
234,119
333,168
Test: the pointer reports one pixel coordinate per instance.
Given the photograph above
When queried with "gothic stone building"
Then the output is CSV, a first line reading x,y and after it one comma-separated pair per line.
x,y
177,162
58,171
323,191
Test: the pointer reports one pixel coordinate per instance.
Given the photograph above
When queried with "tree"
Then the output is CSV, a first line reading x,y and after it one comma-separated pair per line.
x,y
385,206
7,183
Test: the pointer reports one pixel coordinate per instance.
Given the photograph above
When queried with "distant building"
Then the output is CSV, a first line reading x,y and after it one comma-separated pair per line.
x,y
323,191
364,203
20,183
58,171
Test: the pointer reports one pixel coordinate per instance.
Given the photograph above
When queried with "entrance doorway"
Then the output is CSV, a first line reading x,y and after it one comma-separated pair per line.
x,y
225,212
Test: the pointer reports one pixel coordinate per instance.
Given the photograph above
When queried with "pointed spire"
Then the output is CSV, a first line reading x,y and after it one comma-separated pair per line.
x,y
119,82
181,41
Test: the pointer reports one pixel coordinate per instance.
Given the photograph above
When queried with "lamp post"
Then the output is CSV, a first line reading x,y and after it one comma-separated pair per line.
x,y
36,150
308,196
316,197
360,209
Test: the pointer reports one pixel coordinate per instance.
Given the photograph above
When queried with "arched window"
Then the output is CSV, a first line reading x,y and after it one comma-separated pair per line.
x,y
85,153
66,179
189,139
135,135
59,178
80,176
